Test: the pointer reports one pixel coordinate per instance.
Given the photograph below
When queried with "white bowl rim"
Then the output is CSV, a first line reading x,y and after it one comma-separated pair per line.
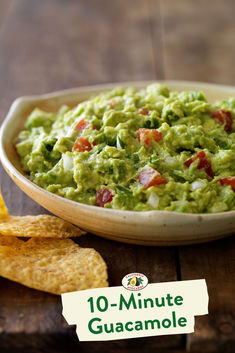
x,y
142,215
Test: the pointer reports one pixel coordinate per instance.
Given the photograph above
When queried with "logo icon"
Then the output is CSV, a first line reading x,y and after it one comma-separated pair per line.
x,y
135,281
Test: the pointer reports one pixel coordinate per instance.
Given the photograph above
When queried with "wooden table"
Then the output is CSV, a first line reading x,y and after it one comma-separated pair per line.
x,y
57,44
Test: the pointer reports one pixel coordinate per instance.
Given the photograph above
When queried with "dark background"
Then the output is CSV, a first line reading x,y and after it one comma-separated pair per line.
x,y
47,45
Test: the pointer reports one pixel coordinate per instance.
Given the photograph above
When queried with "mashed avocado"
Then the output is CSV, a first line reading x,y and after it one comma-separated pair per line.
x,y
136,150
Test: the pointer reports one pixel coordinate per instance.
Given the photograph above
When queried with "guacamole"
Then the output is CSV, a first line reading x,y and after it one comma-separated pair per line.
x,y
143,150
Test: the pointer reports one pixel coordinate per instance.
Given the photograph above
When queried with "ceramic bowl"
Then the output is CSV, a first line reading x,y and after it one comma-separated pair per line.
x,y
147,228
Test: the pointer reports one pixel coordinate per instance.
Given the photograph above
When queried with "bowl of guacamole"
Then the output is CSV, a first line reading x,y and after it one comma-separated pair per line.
x,y
155,149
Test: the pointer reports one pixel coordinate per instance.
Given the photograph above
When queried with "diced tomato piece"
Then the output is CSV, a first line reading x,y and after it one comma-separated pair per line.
x,y
150,177
224,117
157,135
113,104
147,136
228,181
200,155
143,111
94,127
82,144
103,196
204,163
207,167
81,125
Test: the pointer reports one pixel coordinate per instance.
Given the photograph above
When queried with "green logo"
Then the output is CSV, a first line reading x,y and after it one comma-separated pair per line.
x,y
135,281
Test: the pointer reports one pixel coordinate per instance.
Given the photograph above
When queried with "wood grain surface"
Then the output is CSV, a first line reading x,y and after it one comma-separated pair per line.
x,y
57,44
198,40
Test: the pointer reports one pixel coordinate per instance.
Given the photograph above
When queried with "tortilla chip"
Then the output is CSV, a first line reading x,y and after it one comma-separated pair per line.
x,y
54,266
49,244
3,209
10,241
38,226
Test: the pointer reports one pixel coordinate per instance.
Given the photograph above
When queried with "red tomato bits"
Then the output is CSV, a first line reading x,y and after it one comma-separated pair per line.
x,y
81,125
150,177
143,111
103,196
147,136
204,163
82,144
224,117
228,181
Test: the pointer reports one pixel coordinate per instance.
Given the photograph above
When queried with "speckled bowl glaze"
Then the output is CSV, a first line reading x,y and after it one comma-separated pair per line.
x,y
147,228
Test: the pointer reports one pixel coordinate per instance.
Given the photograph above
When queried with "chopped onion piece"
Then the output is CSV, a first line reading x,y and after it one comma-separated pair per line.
x,y
119,147
60,134
69,133
153,200
67,162
197,185
170,160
